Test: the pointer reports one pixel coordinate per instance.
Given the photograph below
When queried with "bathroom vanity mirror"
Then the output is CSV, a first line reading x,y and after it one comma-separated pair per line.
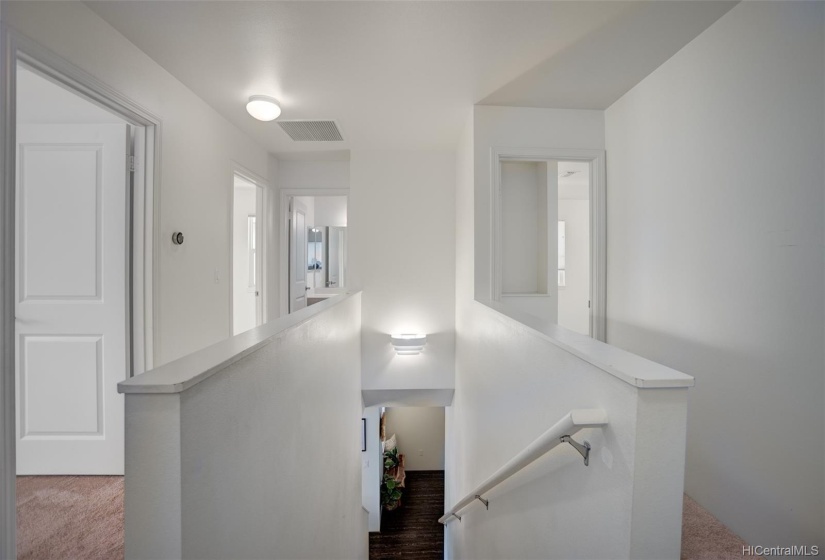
x,y
326,258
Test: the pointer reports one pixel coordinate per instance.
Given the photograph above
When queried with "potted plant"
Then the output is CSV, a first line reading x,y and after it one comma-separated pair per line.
x,y
390,487
390,493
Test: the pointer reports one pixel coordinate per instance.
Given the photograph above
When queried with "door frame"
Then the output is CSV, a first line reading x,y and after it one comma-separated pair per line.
x,y
263,184
598,220
143,212
284,234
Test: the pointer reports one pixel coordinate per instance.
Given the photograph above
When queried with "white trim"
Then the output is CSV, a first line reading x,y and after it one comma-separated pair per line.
x,y
144,272
284,234
263,184
182,374
598,230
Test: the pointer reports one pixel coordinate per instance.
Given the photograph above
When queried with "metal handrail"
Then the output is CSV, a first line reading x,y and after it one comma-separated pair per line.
x,y
560,432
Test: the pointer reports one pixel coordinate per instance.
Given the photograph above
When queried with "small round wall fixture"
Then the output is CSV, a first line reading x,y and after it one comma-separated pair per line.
x,y
177,238
407,344
263,107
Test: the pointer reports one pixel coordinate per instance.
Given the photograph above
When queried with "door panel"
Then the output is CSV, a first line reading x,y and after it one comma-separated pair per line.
x,y
71,298
52,367
77,252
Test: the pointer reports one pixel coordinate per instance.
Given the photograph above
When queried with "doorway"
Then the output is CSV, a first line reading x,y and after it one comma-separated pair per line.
x,y
79,193
548,250
314,252
72,260
410,480
247,253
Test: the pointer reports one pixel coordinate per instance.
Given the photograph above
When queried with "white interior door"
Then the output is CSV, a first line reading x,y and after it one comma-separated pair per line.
x,y
297,256
71,298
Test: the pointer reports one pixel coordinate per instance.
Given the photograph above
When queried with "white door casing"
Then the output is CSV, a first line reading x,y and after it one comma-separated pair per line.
x,y
259,252
598,229
297,256
71,298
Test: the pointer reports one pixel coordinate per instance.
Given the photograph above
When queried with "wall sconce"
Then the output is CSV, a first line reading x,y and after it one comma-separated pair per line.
x,y
408,344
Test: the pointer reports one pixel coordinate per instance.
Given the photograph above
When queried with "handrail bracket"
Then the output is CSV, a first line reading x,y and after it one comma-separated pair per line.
x,y
483,501
457,516
584,449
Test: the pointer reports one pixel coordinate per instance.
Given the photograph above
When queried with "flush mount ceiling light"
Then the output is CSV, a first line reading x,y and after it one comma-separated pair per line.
x,y
263,107
408,344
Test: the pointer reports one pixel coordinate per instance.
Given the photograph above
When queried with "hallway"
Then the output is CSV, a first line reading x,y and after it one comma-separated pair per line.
x,y
413,530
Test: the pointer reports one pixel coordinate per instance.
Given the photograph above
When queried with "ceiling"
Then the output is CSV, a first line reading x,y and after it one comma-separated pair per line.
x,y
404,74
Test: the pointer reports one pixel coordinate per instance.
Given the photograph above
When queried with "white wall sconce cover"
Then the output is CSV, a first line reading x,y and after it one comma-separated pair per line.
x,y
408,344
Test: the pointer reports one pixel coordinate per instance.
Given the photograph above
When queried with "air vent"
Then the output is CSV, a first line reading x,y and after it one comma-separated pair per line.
x,y
312,131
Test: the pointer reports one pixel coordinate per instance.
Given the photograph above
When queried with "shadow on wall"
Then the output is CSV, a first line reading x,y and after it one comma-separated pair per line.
x,y
728,421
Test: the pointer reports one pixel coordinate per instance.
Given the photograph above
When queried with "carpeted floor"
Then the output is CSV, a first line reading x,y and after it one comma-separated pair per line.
x,y
69,517
705,538
81,517
413,531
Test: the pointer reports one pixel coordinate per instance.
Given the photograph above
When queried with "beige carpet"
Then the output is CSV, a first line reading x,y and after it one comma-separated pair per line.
x,y
705,538
81,517
70,517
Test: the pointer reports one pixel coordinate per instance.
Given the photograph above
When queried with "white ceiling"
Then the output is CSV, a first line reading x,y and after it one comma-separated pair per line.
x,y
404,74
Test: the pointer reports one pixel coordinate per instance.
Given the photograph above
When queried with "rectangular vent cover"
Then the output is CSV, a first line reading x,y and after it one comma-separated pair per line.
x,y
312,131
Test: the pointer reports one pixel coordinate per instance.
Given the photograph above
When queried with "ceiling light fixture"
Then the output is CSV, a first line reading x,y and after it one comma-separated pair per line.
x,y
263,107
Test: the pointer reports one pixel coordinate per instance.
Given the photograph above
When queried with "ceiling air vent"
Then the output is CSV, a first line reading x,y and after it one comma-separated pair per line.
x,y
312,131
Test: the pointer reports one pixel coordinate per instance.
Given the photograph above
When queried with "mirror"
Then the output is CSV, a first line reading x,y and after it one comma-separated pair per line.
x,y
326,257
315,248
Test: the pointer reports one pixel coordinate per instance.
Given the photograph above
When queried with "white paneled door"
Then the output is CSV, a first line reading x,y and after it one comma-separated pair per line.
x,y
71,298
297,256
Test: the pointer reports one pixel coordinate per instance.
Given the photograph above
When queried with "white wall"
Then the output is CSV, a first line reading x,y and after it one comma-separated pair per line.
x,y
260,460
420,435
272,229
313,174
331,211
715,260
243,303
522,218
519,127
511,386
402,254
573,311
372,469
198,147
464,290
